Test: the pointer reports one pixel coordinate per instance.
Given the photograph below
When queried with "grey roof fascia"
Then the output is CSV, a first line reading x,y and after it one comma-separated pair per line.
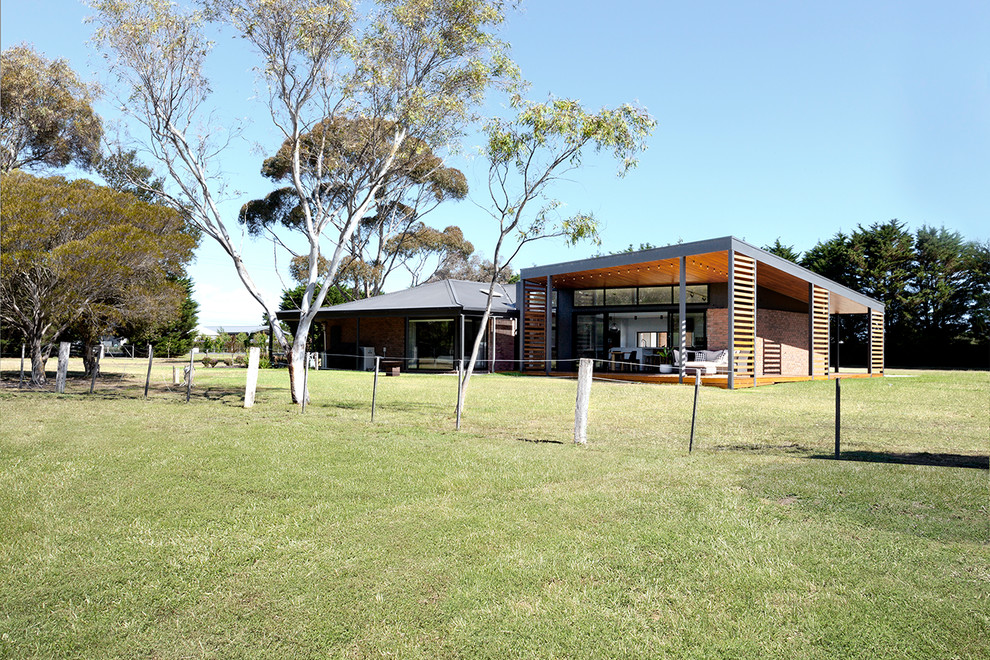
x,y
803,273
701,247
626,258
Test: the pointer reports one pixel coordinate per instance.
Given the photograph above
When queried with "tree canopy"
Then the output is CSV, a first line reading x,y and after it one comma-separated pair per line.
x,y
370,82
46,113
76,254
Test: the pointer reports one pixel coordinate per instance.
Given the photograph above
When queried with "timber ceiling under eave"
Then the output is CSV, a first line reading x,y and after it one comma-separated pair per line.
x,y
700,269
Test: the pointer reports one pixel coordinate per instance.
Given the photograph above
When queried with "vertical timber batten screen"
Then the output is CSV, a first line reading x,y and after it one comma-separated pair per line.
x,y
534,331
743,317
819,331
876,342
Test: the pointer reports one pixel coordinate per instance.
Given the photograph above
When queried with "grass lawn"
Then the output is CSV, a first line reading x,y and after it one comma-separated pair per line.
x,y
156,528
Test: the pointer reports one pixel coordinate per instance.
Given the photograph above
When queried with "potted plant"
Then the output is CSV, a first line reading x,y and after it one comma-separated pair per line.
x,y
664,357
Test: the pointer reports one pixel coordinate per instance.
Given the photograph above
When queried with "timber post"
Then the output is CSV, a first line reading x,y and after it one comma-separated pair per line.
x,y
63,367
147,380
583,399
374,387
251,386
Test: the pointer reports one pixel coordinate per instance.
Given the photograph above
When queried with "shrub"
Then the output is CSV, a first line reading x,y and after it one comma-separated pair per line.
x,y
209,362
240,360
264,362
229,361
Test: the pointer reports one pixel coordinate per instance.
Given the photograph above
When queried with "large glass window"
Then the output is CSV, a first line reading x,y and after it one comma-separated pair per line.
x,y
589,336
431,344
655,295
620,296
589,297
695,330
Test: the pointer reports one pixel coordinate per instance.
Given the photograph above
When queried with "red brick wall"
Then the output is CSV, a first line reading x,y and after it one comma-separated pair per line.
x,y
348,330
718,328
505,345
386,334
781,342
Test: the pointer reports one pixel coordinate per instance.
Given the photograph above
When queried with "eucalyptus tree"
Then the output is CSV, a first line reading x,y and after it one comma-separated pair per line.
x,y
530,153
46,113
410,70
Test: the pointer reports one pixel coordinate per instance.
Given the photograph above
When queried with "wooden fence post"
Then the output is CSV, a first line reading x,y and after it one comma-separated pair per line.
x,y
147,380
254,360
96,369
189,378
305,394
583,398
175,376
374,388
63,367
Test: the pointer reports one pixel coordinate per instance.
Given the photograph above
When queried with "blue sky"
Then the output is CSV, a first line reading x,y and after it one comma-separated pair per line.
x,y
787,119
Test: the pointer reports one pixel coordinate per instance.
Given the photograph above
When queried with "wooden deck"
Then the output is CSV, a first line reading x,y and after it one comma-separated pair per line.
x,y
719,380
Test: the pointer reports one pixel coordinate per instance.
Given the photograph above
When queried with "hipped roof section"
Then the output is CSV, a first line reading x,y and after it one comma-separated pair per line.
x,y
707,262
443,297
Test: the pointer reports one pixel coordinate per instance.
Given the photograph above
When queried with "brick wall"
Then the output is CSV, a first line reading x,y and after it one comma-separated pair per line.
x,y
386,334
781,343
718,328
505,344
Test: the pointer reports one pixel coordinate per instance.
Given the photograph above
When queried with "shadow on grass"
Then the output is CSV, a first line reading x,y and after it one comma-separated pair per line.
x,y
922,458
540,441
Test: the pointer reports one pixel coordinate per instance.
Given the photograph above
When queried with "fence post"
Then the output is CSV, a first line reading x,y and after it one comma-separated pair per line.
x,y
305,393
96,369
374,388
838,414
147,380
189,378
63,367
583,398
460,400
694,410
175,376
254,361
21,383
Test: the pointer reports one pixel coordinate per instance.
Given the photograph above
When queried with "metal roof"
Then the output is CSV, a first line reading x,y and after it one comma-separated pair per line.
x,y
724,244
445,296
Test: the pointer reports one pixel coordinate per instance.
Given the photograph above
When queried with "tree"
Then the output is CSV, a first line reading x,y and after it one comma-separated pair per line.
x,y
175,336
75,254
46,114
784,251
473,268
383,241
408,73
531,152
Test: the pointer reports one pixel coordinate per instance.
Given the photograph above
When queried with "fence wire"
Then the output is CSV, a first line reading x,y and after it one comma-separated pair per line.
x,y
881,418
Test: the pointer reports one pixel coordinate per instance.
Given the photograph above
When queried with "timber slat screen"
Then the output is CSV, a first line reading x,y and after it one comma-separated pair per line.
x,y
876,342
744,316
819,331
534,325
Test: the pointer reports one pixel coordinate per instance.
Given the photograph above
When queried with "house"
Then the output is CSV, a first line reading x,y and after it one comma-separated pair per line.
x,y
769,315
738,315
425,328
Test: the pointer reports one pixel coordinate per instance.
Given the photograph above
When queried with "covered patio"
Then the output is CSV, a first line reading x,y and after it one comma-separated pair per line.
x,y
737,314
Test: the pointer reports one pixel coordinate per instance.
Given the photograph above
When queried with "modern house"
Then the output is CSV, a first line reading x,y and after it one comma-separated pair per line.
x,y
425,328
739,314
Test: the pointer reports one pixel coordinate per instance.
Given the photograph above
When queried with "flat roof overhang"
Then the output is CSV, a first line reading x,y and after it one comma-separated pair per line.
x,y
706,262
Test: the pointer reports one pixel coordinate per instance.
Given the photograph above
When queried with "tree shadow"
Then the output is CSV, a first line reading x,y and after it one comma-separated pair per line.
x,y
920,458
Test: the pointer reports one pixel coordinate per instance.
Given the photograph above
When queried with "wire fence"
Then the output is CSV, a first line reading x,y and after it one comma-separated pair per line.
x,y
926,419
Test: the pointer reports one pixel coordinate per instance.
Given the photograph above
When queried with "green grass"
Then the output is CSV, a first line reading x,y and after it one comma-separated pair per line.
x,y
157,528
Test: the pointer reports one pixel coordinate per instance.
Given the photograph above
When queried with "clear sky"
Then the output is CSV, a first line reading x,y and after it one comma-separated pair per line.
x,y
775,119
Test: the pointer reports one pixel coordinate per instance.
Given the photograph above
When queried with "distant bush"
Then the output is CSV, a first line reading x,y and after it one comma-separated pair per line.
x,y
229,361
208,361
264,362
240,360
